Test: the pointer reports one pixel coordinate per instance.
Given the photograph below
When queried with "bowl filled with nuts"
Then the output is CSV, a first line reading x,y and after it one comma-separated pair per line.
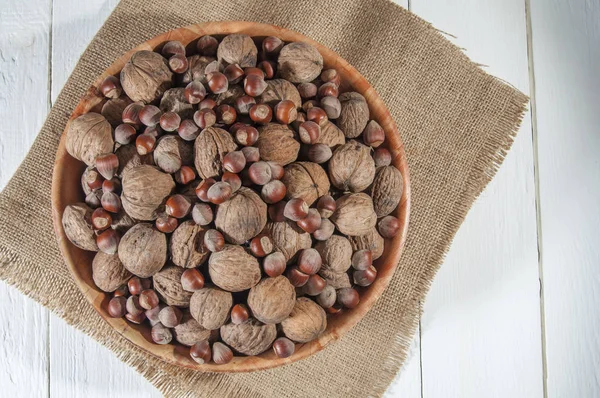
x,y
231,196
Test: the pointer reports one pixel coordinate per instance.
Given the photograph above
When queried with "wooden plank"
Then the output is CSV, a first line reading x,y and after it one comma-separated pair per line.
x,y
481,334
24,49
565,59
80,367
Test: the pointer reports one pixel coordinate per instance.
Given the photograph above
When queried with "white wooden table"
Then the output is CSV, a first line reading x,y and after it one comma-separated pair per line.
x,y
513,311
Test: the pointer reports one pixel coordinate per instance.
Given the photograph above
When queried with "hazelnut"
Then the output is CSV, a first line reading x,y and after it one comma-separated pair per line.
x,y
268,69
210,307
192,280
137,319
365,277
221,353
167,284
246,135
388,226
331,106
316,115
160,334
242,217
124,134
260,173
170,121
234,162
237,49
278,90
214,240
273,192
148,299
371,241
362,260
170,316
108,241
261,113
210,148
309,132
373,135
91,180
93,198
152,315
296,277
107,165
309,261
250,338
131,113
251,153
296,209
382,157
112,185
299,62
226,114
261,245
185,175
101,219
254,85
232,179
325,230
348,297
219,192
314,286
306,322
274,264
351,167
217,82
166,224
328,89
134,285
111,87
116,307
178,206
285,112
331,135
239,314
310,104
305,180
205,118
243,105
108,272
173,47
307,90
326,206
207,103
233,269
203,187
145,143
288,238
327,297
354,114
194,92
354,215
201,352
319,153
146,76
252,71
189,331
386,190
144,190
284,347
207,45
177,101
133,306
202,214
311,222
234,73
271,46
110,202
277,170
143,250
89,136
331,75
178,63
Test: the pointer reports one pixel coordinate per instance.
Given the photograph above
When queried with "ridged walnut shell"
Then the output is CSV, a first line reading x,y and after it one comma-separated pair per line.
x,y
276,143
386,190
187,245
108,272
351,168
306,322
337,280
143,250
172,152
89,136
210,307
189,331
354,215
77,223
129,158
173,100
371,241
250,338
145,188
196,69
211,145
237,49
299,62
146,76
167,283
288,238
331,135
242,217
272,300
336,253
279,90
305,180
233,269
354,115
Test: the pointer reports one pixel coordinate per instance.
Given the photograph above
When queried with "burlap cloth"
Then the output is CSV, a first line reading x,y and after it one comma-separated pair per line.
x,y
456,122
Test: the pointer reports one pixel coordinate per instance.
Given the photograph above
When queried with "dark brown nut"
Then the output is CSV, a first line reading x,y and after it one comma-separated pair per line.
x,y
101,219
326,206
328,89
170,121
117,307
178,63
268,69
192,280
217,82
167,284
110,202
161,334
299,62
143,250
278,90
331,135
348,297
250,338
332,106
170,316
325,230
219,192
234,162
254,85
274,264
166,224
111,87
309,132
210,147
261,245
382,157
148,299
203,187
144,190
318,116
107,165
242,217
189,332
331,75
134,285
173,47
314,286
226,114
88,137
351,167
373,135
311,222
146,76
214,240
288,238
124,134
207,45
237,49
307,90
260,173
196,69
276,143
112,185
172,152
246,135
145,143
243,105
306,322
201,352
130,158
362,260
354,114
113,109
272,46
309,261
233,269
131,113
272,300
210,307
338,280
176,100
251,153
273,192
254,71
371,241
296,209
386,190
137,319
202,214
319,153
108,272
388,226
354,215
327,297
185,175
336,253
261,113
234,73
284,347
239,314
365,277
221,353
133,306
285,112
305,180
77,223
195,92
296,277
205,118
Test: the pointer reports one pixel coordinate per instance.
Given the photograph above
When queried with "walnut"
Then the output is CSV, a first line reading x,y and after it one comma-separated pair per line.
x,y
167,283
228,97
233,269
210,307
129,157
145,188
299,62
146,76
276,143
272,300
189,331
336,253
88,136
331,135
354,215
306,322
112,110
305,180
108,272
351,168
386,190
187,245
250,338
354,115
242,217
173,100
143,250
337,280
288,238
77,223
237,49
172,152
210,147
278,90
371,241
196,69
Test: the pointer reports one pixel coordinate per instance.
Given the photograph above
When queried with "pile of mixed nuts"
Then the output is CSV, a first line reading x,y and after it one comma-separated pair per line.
x,y
233,195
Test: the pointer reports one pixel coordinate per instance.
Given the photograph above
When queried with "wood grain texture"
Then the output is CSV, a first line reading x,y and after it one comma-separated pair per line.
x,y
24,50
566,61
481,333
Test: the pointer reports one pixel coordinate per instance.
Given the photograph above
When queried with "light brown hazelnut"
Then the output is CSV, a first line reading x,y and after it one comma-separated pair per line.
x,y
234,73
242,217
233,180
111,87
207,103
77,223
311,222
327,297
233,269
296,277
192,280
134,286
332,107
268,67
299,62
117,307
145,143
305,180
201,352
296,209
173,47
137,319
167,284
112,185
388,226
348,297
195,92
307,90
217,82
316,115
170,316
274,264
210,307
133,306
178,206
254,85
306,322
170,121
131,113
314,286
362,260
328,89
272,300
148,299
202,214
93,199
285,112
309,132
185,175
243,105
219,192
166,224
239,314
373,135
277,170
261,113
110,202
178,63
234,162
214,240
143,250
309,261
210,148
273,192
261,245
89,136
326,206
325,230
124,134
382,157
146,76
319,153
365,277
284,347
237,49
207,45
101,219
203,187
221,353
161,334
272,46
260,173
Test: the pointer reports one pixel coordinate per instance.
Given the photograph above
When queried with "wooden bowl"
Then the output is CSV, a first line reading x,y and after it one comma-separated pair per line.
x,y
66,189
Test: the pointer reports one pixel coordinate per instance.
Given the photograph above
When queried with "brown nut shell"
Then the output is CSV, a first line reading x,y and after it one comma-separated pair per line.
x,y
237,49
305,180
242,217
89,136
299,62
306,322
354,115
187,245
129,158
386,190
145,189
77,223
337,280
210,147
189,331
167,283
146,76
276,143
250,338
372,241
143,250
172,152
108,272
336,253
210,307
280,90
331,135
272,300
196,69
351,168
233,269
354,215
288,238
